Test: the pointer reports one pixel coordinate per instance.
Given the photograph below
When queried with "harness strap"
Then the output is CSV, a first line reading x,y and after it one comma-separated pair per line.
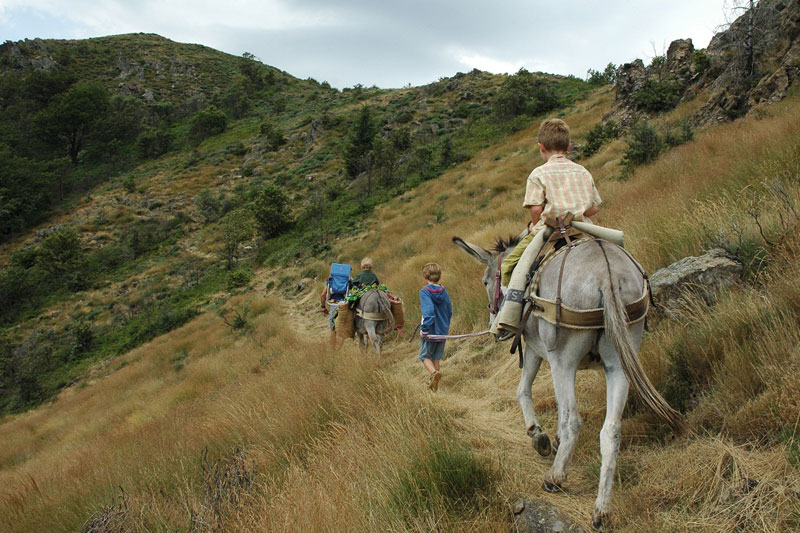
x,y
371,316
516,344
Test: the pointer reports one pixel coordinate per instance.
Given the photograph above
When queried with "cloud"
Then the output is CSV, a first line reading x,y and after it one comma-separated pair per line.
x,y
388,43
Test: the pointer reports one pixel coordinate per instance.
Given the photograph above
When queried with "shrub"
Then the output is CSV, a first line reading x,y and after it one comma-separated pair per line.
x,y
153,143
701,61
239,277
658,94
271,211
272,136
60,252
524,94
209,206
599,135
207,123
644,145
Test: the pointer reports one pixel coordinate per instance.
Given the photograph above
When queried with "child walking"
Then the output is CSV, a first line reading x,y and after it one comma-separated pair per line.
x,y
434,303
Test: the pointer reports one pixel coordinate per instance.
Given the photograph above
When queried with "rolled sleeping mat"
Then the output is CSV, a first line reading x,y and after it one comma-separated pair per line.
x,y
345,322
608,234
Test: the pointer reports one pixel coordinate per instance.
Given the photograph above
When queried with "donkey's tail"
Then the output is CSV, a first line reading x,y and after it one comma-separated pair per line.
x,y
616,327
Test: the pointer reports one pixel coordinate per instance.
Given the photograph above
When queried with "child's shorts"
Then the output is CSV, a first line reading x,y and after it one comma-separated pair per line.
x,y
433,350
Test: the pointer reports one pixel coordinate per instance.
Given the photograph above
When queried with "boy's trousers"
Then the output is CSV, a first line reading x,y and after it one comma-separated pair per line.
x,y
507,320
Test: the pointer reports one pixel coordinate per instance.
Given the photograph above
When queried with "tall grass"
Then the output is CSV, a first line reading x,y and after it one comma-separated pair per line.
x,y
271,430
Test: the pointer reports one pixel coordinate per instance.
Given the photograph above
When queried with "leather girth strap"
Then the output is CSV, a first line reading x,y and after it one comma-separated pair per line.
x,y
558,314
371,316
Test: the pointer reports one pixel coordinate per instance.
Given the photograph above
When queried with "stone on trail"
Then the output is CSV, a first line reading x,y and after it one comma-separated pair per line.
x,y
532,516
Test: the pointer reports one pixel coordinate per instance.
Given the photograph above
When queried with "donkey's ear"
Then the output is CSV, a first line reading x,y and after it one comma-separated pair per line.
x,y
477,253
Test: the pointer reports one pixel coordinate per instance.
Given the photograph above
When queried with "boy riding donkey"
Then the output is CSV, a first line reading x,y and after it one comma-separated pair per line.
x,y
558,188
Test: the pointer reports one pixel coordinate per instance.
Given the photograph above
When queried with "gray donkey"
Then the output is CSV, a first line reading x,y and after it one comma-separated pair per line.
x,y
594,277
374,319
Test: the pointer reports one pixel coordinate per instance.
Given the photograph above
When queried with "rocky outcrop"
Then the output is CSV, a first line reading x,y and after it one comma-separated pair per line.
x,y
539,517
678,68
754,61
751,64
702,276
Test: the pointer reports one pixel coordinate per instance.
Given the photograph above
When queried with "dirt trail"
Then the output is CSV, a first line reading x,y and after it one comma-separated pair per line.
x,y
478,389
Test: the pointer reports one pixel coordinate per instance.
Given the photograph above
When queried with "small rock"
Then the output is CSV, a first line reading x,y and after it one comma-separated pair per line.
x,y
539,517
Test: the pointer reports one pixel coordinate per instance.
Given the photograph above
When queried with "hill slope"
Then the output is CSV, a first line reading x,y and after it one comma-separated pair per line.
x,y
266,428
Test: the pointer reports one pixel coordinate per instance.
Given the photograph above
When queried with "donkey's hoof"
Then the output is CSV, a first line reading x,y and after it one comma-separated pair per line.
x,y
541,443
598,520
549,486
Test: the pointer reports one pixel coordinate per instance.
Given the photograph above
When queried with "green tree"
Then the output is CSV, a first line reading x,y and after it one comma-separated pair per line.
x,y
271,211
71,117
384,160
360,145
237,228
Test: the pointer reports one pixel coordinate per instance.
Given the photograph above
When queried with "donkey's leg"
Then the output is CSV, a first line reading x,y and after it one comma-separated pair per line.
x,y
569,420
530,367
373,336
610,435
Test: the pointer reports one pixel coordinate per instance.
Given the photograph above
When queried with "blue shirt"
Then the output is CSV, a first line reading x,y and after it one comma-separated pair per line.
x,y
434,303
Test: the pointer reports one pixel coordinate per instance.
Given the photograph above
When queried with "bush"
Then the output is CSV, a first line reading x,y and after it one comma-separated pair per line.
x,y
644,145
207,123
271,211
599,135
239,277
60,252
597,78
658,95
524,94
153,143
272,136
209,206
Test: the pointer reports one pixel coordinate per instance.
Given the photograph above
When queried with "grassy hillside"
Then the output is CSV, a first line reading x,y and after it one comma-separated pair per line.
x,y
197,168
268,429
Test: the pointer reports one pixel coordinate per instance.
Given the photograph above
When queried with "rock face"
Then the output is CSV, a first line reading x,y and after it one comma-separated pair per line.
x,y
754,61
539,517
751,64
702,276
678,66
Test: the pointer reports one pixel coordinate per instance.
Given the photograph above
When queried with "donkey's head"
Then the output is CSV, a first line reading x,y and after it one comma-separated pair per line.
x,y
492,259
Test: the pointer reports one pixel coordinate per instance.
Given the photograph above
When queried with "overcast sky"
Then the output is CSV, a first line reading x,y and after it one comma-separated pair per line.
x,y
384,42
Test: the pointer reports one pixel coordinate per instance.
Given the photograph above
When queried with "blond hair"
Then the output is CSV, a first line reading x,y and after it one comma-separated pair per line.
x,y
432,272
554,135
366,263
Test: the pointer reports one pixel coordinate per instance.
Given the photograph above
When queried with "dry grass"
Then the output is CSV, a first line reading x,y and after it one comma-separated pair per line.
x,y
338,441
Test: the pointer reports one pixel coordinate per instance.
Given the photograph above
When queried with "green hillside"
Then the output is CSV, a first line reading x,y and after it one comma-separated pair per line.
x,y
165,368
146,180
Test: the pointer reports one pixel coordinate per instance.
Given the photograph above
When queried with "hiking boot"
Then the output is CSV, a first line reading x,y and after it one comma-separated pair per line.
x,y
434,384
504,336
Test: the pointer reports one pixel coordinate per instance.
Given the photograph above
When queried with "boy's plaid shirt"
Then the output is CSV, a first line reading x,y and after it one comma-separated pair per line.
x,y
563,187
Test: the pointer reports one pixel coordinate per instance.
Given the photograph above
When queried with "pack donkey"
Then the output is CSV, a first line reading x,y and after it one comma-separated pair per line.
x,y
373,319
595,275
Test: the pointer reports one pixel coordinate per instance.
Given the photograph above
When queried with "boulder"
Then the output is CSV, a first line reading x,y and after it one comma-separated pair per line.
x,y
539,517
702,276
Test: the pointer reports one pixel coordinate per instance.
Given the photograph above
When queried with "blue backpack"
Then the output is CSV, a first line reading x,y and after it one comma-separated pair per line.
x,y
339,281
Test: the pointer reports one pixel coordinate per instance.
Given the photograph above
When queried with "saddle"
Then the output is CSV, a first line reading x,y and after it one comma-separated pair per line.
x,y
562,240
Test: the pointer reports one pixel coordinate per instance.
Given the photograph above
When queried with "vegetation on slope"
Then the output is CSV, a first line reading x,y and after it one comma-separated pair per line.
x,y
191,169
